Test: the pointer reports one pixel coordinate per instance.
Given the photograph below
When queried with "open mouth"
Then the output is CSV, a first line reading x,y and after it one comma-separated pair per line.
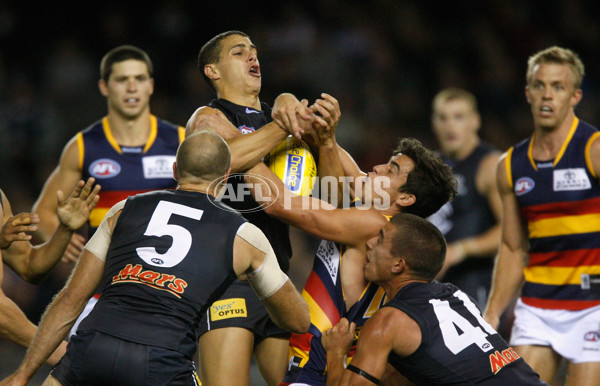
x,y
255,70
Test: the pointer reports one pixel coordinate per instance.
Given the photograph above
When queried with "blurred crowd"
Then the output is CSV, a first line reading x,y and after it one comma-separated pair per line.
x,y
383,60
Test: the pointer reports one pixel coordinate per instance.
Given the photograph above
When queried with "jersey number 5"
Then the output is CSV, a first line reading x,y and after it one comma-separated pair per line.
x,y
159,226
451,322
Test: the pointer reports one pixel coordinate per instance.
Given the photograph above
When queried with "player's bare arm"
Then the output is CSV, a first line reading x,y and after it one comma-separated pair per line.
x,y
512,254
32,263
255,260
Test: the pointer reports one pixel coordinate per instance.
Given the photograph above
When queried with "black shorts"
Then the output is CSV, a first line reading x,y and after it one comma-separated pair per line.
x,y
94,358
240,307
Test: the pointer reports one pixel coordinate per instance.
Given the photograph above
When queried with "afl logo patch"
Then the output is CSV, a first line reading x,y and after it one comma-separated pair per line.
x,y
104,168
246,130
524,185
592,336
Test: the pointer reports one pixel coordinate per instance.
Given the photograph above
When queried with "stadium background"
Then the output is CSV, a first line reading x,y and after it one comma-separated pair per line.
x,y
383,60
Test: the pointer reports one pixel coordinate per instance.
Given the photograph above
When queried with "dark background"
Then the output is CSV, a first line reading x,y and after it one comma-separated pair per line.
x,y
383,60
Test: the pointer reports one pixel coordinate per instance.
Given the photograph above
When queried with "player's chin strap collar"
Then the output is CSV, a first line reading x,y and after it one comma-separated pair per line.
x,y
363,374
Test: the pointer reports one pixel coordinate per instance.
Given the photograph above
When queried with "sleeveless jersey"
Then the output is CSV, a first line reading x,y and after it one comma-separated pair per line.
x,y
458,347
325,298
170,258
560,202
124,171
248,120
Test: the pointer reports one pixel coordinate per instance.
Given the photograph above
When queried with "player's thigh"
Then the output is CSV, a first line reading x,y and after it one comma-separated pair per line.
x,y
271,356
51,381
543,359
583,374
224,356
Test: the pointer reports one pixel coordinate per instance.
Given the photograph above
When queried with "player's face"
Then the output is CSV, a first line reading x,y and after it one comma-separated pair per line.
x,y
551,95
378,266
129,88
455,125
382,184
238,67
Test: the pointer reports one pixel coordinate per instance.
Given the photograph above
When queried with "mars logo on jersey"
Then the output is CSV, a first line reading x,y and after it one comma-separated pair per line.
x,y
246,130
524,185
104,168
161,281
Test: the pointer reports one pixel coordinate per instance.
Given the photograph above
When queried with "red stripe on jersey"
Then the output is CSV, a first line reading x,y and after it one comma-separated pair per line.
x,y
572,258
573,305
301,341
317,290
561,209
110,198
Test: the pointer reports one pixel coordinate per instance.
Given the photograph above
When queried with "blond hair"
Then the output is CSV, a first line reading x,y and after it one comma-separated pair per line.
x,y
557,55
452,93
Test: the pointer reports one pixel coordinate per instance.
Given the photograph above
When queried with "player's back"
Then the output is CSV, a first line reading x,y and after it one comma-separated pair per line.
x,y
457,345
170,257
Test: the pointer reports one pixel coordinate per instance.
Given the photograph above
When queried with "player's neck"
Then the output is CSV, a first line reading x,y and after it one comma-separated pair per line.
x,y
464,151
130,131
547,142
200,188
394,286
243,99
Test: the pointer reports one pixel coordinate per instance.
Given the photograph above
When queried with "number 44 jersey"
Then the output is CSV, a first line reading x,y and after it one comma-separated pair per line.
x,y
170,257
457,346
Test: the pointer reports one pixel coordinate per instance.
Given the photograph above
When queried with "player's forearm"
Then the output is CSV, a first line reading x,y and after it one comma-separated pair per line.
x,y
54,326
288,309
44,257
248,150
14,325
506,281
47,225
483,245
330,165
335,367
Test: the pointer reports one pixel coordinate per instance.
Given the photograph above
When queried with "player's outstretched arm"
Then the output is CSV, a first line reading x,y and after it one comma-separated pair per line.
x,y
32,263
255,260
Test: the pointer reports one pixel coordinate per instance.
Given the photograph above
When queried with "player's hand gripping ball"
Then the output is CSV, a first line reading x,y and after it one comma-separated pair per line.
x,y
294,164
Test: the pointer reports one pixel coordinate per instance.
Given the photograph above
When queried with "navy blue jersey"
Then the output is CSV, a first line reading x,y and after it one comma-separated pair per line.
x,y
170,258
125,171
248,120
457,346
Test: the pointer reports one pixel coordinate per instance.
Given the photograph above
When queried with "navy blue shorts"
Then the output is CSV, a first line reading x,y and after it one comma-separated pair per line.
x,y
240,307
94,358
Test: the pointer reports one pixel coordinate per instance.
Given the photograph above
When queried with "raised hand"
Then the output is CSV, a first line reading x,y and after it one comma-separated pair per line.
x,y
16,228
328,113
289,113
74,211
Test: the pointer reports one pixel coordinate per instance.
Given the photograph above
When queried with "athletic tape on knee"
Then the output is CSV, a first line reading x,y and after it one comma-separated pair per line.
x,y
268,278
99,242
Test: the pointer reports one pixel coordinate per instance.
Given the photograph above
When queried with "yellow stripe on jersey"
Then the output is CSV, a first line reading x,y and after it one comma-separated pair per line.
x,y
181,131
563,148
588,157
317,316
153,132
109,137
508,168
565,225
81,149
97,215
558,275
298,353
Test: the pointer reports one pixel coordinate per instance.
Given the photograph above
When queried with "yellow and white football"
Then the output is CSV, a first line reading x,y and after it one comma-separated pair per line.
x,y
294,164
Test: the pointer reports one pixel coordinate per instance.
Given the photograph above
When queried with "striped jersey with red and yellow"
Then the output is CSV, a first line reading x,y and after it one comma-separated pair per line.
x,y
126,171
559,201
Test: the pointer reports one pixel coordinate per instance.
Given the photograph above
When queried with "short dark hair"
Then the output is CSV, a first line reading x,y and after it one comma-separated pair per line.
x,y
211,50
121,54
431,181
419,243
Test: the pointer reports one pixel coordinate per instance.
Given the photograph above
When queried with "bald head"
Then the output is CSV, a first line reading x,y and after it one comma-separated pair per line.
x,y
202,157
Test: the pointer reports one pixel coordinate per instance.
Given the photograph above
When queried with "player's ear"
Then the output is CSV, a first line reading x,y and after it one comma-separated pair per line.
x,y
211,72
103,87
527,94
175,176
399,265
226,176
405,199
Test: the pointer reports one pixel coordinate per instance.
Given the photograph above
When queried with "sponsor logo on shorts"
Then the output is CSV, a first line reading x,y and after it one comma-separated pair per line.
x,y
592,336
500,359
160,281
246,130
104,168
523,186
228,308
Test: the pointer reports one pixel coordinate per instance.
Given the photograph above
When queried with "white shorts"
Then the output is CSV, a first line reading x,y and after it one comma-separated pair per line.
x,y
86,311
574,335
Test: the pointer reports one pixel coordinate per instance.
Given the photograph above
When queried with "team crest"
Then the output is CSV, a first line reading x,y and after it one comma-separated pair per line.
x,y
246,130
104,168
524,185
